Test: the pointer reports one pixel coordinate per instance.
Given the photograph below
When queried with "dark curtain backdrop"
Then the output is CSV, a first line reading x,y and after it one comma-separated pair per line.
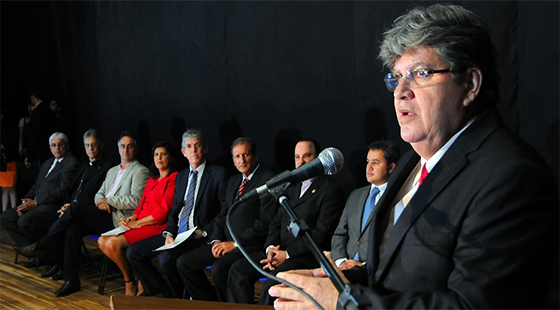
x,y
273,71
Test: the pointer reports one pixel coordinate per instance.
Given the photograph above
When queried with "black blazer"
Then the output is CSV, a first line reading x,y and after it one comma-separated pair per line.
x,y
250,220
320,207
42,124
209,201
56,186
91,183
480,232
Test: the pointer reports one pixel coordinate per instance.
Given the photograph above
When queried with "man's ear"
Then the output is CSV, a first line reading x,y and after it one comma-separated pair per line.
x,y
391,167
473,83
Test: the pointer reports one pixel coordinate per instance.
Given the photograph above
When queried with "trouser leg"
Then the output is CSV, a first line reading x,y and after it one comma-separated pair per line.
x,y
191,269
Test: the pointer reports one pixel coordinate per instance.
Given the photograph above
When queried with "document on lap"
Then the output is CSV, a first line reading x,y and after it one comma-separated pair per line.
x,y
180,238
114,232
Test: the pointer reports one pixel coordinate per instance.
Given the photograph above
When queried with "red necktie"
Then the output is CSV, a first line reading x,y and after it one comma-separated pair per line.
x,y
423,175
242,186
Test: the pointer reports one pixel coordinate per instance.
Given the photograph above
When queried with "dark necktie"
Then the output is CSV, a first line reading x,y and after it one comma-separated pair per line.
x,y
189,203
52,167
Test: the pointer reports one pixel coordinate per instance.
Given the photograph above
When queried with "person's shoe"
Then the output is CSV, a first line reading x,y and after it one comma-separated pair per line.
x,y
59,275
33,263
30,251
51,272
68,288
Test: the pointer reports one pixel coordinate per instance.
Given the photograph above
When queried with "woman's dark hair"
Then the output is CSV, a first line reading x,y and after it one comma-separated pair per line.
x,y
154,172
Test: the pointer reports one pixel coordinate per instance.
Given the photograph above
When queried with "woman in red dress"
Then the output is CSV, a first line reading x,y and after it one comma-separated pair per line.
x,y
150,218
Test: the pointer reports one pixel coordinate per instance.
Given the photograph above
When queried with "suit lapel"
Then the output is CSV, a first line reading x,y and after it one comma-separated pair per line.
x,y
125,175
182,185
309,192
360,210
47,168
383,208
203,183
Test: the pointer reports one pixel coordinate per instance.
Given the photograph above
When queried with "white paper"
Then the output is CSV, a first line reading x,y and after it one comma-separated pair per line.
x,y
114,232
180,238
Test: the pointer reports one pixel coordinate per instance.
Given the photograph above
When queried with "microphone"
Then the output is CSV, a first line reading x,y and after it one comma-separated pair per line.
x,y
329,162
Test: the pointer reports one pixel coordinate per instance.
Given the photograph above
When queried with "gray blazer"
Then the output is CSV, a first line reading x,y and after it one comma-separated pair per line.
x,y
348,237
129,191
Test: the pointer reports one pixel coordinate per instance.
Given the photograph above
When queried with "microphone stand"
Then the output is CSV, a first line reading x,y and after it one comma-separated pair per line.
x,y
299,228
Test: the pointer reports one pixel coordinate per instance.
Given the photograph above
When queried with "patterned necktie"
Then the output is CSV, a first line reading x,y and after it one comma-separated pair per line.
x,y
242,186
189,203
423,175
369,206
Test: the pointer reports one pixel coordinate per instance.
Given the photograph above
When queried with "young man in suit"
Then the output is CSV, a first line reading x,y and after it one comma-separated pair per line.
x,y
78,217
319,202
350,240
199,197
470,216
45,197
249,221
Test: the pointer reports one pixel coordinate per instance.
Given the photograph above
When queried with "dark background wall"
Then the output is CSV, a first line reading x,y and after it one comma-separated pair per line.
x,y
274,71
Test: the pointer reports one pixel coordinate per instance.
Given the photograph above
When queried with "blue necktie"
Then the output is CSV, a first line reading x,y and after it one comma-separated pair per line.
x,y
189,203
369,206
367,211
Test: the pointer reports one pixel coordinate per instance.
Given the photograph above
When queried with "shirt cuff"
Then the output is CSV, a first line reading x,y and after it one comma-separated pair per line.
x,y
340,261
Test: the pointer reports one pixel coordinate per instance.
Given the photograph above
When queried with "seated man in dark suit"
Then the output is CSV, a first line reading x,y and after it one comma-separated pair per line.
x,y
319,202
199,197
249,221
29,221
78,217
470,216
350,241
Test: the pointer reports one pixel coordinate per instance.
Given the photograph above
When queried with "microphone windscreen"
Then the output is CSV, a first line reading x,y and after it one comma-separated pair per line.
x,y
332,160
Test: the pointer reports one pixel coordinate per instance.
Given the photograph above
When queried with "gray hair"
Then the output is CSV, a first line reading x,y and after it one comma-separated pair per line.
x,y
94,134
458,37
194,133
59,135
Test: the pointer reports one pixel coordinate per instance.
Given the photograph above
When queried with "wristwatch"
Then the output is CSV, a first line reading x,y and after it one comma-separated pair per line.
x,y
204,234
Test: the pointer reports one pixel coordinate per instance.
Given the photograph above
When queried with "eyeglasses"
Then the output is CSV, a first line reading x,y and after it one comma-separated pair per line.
x,y
59,144
416,77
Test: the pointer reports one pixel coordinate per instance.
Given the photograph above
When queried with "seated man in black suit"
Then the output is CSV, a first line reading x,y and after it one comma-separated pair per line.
x,y
469,218
350,241
319,202
79,216
29,221
199,197
249,221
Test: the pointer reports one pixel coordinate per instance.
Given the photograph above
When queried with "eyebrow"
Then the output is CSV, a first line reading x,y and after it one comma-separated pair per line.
x,y
417,65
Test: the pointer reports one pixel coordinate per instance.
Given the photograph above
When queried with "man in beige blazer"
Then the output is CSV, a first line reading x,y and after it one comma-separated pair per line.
x,y
122,189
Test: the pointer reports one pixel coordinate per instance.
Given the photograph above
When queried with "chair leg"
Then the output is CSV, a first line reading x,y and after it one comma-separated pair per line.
x,y
15,260
103,276
86,257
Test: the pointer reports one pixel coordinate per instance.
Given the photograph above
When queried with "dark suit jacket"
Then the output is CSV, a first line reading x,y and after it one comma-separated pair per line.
x,y
41,126
320,207
480,232
250,220
91,183
209,201
56,186
348,236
